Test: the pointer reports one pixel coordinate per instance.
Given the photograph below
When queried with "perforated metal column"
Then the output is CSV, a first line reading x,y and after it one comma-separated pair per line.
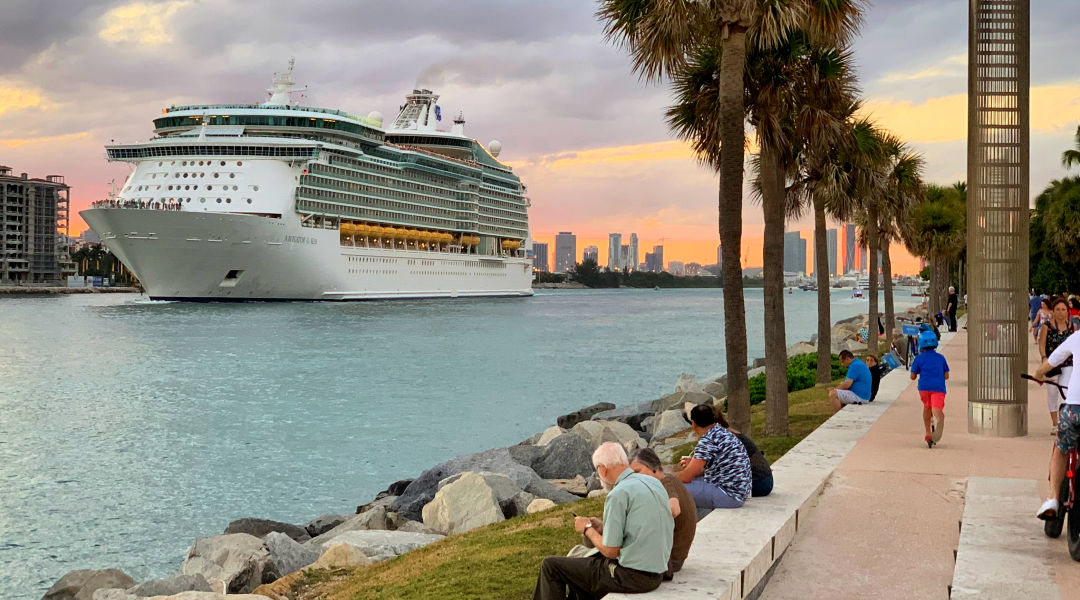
x,y
997,216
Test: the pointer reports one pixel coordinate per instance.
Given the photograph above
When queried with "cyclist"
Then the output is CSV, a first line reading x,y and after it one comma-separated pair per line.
x,y
1068,425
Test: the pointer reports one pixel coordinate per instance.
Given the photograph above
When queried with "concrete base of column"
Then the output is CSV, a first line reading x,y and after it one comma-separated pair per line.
x,y
997,420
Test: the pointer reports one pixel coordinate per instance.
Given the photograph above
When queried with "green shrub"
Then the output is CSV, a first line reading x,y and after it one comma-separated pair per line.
x,y
801,375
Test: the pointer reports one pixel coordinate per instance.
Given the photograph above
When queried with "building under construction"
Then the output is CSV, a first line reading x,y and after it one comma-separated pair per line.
x,y
34,214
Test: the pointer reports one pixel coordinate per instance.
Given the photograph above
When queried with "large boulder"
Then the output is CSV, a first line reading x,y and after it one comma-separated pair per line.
x,y
678,399
464,504
755,371
855,347
383,545
376,518
81,584
565,457
324,523
286,555
498,460
578,486
341,555
688,383
632,414
261,527
383,501
598,432
189,595
669,423
801,348
569,420
716,388
512,499
168,586
540,504
549,434
237,559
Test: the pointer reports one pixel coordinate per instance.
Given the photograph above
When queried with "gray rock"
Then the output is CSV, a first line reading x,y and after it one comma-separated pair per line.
x,y
633,414
598,432
383,501
716,389
395,489
801,348
461,505
261,527
525,455
417,527
498,460
503,487
758,362
324,523
168,586
376,518
287,556
755,372
238,559
678,399
516,505
565,457
578,486
592,484
669,423
81,584
545,437
531,440
113,594
383,545
540,504
567,421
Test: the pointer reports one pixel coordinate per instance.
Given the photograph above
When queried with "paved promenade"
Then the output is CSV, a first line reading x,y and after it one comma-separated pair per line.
x,y
886,525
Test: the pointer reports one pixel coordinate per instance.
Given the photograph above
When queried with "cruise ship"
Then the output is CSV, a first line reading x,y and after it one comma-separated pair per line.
x,y
279,201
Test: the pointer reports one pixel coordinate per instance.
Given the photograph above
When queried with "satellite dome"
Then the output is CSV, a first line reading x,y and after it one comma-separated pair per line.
x,y
375,117
495,147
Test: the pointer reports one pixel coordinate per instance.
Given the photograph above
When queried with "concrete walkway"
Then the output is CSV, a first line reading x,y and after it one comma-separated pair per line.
x,y
886,525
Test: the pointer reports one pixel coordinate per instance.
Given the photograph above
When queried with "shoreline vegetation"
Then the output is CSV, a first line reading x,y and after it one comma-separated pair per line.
x,y
497,512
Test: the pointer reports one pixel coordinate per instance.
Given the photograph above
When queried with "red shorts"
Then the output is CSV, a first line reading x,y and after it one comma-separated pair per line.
x,y
933,399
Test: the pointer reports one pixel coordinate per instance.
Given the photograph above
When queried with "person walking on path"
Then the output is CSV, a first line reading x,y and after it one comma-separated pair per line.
x,y
856,386
1051,336
635,546
950,307
1041,317
932,370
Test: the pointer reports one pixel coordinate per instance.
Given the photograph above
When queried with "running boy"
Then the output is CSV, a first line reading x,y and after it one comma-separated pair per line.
x,y
932,370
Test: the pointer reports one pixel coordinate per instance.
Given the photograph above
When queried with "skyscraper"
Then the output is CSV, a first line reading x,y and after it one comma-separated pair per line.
x,y
863,253
794,253
654,261
565,251
632,258
849,248
830,241
614,251
624,257
540,256
591,253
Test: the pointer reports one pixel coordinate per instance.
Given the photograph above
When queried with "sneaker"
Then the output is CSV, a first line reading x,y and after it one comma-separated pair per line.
x,y
1048,510
929,441
938,429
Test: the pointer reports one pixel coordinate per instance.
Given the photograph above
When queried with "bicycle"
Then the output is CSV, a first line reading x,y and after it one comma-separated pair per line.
x,y
1067,494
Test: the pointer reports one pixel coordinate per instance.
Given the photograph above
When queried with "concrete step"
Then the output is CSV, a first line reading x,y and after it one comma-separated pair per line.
x,y
1003,553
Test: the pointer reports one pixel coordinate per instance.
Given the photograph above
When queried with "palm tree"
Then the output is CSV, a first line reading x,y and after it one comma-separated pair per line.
x,y
935,230
903,189
1071,157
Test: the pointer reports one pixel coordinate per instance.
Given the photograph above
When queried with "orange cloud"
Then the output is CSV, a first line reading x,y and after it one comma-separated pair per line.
x,y
55,139
14,98
140,23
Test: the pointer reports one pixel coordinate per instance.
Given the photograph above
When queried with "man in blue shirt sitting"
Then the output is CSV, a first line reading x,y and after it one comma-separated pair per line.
x,y
855,388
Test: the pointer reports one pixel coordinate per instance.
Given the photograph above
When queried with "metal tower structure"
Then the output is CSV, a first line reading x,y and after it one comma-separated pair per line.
x,y
997,215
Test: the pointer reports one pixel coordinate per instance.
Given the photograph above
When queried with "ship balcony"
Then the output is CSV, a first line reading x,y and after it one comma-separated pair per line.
x,y
137,205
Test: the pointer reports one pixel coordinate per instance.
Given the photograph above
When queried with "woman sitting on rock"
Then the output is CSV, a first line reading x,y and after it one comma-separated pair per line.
x,y
718,473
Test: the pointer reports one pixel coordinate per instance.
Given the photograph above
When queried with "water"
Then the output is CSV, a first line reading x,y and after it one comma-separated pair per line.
x,y
128,427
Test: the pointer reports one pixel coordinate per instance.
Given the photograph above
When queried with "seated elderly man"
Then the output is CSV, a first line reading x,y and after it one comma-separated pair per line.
x,y
634,547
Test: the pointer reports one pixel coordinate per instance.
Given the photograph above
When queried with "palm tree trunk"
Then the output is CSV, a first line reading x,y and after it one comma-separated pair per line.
x,y
772,204
824,297
937,282
873,243
886,278
732,140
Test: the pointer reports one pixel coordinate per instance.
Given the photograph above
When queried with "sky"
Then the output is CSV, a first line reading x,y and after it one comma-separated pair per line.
x,y
584,133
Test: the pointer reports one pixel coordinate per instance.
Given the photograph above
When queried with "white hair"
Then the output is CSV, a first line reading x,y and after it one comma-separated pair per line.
x,y
952,289
610,454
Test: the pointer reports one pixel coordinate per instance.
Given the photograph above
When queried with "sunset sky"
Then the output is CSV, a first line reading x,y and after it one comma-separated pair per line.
x,y
586,136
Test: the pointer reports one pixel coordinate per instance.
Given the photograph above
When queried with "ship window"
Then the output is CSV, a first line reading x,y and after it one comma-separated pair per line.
x,y
228,201
215,175
185,175
160,163
219,200
232,175
223,163
209,187
203,200
256,188
249,200
239,163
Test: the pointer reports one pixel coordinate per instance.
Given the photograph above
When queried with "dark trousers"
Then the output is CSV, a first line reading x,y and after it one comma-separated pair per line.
x,y
952,321
587,578
762,487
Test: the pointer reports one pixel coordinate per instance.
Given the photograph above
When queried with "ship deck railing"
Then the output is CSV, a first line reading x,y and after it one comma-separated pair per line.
x,y
138,205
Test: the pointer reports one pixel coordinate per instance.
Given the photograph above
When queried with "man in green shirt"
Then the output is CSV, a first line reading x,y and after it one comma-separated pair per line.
x,y
636,543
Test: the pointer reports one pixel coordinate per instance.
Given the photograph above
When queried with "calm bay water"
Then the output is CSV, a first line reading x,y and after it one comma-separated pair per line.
x,y
128,428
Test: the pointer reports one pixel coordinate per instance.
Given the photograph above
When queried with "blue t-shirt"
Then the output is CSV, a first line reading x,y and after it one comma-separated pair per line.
x,y
861,380
1034,304
931,368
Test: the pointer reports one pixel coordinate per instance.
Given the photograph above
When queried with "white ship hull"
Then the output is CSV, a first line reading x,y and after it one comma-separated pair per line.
x,y
213,256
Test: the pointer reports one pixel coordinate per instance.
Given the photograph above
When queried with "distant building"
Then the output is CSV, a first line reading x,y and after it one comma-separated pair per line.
x,y
624,258
565,251
849,248
863,252
719,256
654,261
591,253
33,213
693,269
677,268
830,243
632,256
794,253
540,257
614,251
753,272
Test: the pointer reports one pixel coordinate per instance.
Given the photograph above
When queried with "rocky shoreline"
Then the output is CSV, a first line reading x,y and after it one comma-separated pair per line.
x,y
551,467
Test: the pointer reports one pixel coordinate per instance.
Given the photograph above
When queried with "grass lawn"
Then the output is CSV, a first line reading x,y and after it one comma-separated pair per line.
x,y
501,561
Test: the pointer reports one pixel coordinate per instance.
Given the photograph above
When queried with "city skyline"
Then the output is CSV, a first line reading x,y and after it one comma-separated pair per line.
x,y
594,151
